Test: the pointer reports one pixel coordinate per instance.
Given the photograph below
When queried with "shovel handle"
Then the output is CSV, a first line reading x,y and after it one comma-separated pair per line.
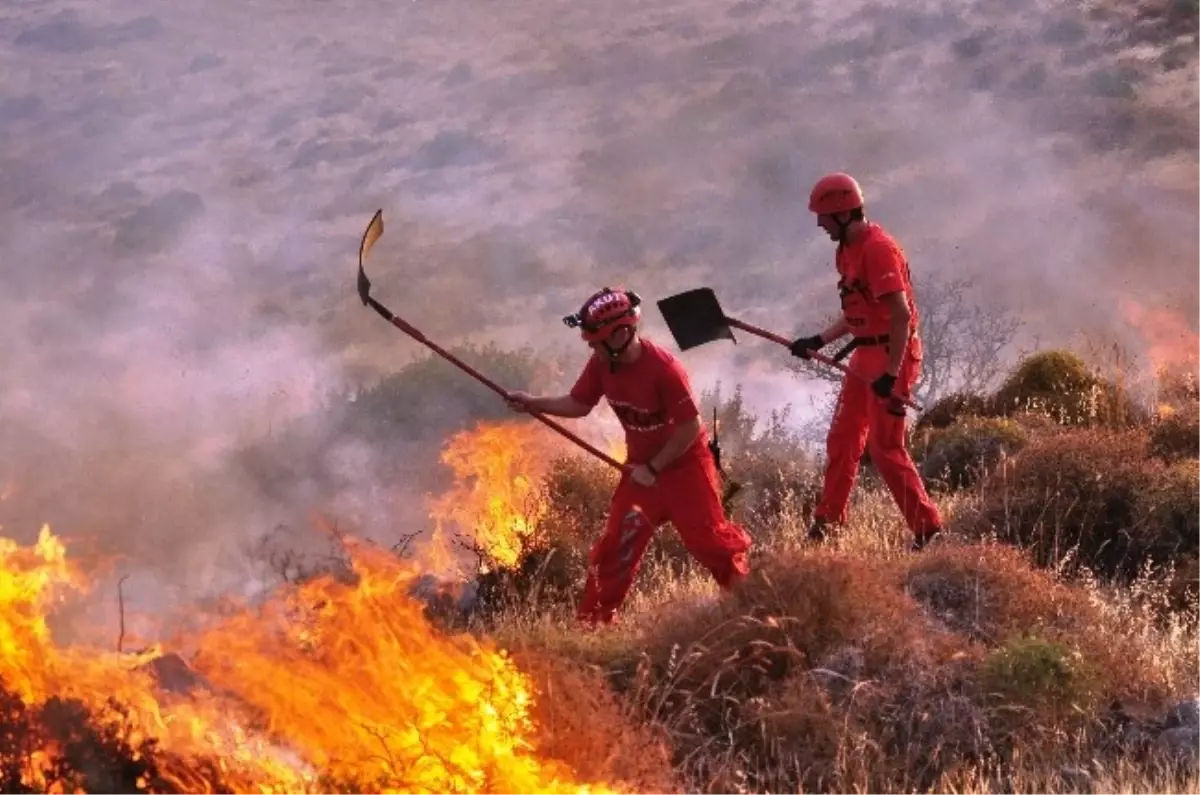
x,y
413,332
785,342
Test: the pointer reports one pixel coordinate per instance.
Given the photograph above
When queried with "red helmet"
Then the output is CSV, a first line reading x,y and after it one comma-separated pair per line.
x,y
835,193
604,312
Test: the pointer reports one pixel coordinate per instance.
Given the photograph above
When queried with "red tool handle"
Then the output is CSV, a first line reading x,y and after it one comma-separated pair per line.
x,y
413,332
785,342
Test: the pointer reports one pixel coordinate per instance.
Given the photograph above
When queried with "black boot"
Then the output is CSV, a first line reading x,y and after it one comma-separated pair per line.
x,y
818,530
922,541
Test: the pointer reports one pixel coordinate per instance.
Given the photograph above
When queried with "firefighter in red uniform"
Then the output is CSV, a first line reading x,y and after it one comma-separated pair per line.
x,y
878,309
673,476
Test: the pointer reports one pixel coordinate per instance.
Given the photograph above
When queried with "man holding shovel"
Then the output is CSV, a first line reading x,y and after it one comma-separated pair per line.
x,y
672,475
879,310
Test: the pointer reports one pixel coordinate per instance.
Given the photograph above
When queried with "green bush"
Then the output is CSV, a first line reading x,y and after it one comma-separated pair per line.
x,y
576,492
950,409
1041,677
956,456
1060,385
742,432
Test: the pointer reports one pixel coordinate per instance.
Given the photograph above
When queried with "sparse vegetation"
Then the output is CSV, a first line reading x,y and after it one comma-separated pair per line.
x,y
1047,645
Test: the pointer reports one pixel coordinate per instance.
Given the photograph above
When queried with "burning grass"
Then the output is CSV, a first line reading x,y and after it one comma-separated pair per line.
x,y
326,686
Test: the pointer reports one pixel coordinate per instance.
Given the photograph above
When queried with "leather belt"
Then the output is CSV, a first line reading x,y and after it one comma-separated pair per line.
x,y
859,342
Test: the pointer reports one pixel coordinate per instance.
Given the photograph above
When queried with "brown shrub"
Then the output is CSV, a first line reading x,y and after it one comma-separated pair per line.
x,y
829,672
1094,498
992,593
989,591
1061,386
1176,433
775,488
577,491
755,683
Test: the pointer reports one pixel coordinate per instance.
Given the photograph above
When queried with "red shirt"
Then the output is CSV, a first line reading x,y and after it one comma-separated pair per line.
x,y
873,266
650,397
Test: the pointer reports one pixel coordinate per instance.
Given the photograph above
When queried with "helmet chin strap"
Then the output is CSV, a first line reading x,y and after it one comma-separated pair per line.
x,y
844,226
615,353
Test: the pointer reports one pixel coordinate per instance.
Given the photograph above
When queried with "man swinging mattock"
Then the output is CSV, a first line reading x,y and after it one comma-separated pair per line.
x,y
673,476
879,310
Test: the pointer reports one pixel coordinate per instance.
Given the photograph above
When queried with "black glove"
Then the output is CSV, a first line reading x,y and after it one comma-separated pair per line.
x,y
805,345
883,385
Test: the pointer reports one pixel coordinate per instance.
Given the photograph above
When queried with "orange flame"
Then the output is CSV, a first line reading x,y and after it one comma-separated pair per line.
x,y
496,499
327,684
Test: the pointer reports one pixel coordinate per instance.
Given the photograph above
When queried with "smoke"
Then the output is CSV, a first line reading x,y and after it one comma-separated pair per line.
x,y
183,196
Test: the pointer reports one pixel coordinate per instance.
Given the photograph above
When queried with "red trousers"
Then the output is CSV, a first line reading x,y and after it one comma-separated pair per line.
x,y
865,421
687,494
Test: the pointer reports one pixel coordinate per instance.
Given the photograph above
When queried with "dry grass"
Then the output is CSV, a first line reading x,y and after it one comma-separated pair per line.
x,y
837,671
1038,647
981,664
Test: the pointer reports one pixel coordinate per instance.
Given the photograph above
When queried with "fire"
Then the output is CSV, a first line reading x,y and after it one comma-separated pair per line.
x,y
496,499
1170,342
325,685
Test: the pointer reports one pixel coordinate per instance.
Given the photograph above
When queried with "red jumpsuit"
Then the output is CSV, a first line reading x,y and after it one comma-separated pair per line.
x,y
651,397
871,268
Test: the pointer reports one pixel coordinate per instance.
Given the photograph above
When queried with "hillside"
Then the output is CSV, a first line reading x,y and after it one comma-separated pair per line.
x,y
187,193
252,539
1047,644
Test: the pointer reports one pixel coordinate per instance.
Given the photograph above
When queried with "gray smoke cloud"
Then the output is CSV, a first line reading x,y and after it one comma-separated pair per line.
x,y
183,191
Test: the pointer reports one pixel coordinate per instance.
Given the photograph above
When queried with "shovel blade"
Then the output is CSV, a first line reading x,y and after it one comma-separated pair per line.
x,y
695,317
372,233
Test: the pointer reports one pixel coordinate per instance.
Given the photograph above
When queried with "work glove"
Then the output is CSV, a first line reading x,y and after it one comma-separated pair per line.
x,y
802,347
883,385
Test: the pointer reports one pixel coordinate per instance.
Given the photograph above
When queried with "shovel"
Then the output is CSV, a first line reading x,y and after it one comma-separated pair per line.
x,y
373,232
695,317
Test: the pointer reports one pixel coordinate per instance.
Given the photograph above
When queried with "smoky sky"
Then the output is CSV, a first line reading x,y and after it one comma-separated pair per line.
x,y
183,188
